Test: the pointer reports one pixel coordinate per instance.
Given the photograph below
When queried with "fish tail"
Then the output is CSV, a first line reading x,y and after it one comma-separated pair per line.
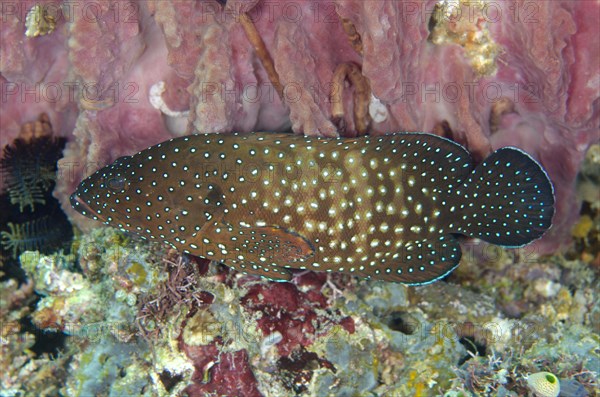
x,y
507,200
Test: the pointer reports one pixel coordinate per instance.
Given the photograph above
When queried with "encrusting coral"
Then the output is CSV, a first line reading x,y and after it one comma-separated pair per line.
x,y
25,369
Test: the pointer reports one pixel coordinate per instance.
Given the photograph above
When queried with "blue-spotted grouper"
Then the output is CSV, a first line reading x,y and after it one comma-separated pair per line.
x,y
384,207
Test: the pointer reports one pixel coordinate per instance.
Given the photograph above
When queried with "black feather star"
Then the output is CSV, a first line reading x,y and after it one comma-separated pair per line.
x,y
31,218
34,235
29,170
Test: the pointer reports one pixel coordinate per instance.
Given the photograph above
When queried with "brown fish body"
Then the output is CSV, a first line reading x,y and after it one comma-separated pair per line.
x,y
382,207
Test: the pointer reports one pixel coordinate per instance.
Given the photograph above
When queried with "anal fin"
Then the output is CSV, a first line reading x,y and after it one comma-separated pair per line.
x,y
422,262
271,273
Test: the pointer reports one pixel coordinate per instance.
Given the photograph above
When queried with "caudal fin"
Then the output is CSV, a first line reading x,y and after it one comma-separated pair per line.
x,y
507,200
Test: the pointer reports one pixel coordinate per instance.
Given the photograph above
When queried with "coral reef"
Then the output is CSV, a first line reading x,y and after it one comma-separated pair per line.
x,y
101,351
141,320
25,369
114,315
586,231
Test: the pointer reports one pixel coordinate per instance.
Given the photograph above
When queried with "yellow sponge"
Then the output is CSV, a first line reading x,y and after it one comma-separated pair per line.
x,y
544,384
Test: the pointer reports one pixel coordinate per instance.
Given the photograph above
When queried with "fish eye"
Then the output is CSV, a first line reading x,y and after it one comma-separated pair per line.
x,y
116,184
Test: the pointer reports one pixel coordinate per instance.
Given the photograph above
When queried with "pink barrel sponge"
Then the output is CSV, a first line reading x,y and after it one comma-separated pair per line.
x,y
118,77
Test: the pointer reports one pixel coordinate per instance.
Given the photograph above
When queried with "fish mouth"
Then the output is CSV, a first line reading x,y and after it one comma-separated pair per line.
x,y
81,206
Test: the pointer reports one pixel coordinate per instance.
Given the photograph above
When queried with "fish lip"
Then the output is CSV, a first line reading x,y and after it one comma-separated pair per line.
x,y
80,206
75,201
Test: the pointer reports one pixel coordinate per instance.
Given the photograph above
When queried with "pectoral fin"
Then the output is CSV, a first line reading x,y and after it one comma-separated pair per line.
x,y
266,251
